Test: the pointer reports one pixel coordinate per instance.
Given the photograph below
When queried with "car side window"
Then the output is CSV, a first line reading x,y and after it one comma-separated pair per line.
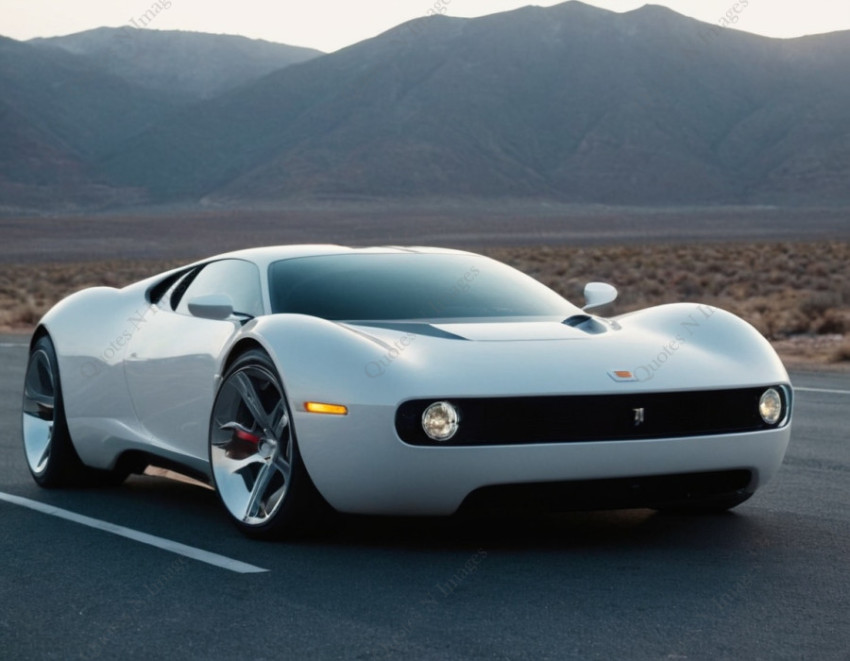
x,y
238,279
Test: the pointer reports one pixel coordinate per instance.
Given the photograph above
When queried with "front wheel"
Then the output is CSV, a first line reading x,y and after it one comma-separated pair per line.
x,y
256,467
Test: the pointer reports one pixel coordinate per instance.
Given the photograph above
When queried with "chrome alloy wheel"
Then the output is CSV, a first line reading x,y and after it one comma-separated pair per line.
x,y
251,445
39,409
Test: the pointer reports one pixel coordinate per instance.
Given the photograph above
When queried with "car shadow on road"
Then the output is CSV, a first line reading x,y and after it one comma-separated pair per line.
x,y
525,530
192,513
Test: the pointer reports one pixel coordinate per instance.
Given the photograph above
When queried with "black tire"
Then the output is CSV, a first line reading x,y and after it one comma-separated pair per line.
x,y
256,467
50,454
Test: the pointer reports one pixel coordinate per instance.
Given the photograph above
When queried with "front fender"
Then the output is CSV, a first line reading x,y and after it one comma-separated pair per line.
x,y
689,334
324,361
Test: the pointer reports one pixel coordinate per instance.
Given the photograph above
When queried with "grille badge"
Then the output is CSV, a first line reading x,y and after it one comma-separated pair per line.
x,y
640,416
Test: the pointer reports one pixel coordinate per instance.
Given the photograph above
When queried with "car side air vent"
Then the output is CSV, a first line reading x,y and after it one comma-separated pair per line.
x,y
585,323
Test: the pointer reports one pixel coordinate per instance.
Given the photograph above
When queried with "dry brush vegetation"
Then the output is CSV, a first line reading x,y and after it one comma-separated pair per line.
x,y
796,294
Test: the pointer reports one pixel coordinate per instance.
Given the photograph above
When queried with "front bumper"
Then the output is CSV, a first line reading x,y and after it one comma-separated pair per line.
x,y
360,465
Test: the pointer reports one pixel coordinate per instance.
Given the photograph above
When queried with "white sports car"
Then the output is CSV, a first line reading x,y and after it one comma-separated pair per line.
x,y
400,381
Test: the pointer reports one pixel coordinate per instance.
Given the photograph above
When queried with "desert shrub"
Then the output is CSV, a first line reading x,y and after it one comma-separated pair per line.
x,y
819,303
842,354
832,322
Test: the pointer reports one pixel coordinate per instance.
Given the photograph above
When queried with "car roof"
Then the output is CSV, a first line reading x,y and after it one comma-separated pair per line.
x,y
266,255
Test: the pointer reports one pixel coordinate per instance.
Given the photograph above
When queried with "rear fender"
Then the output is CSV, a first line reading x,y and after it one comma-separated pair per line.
x,y
90,331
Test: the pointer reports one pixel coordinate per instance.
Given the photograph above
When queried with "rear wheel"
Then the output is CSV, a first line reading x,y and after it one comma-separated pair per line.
x,y
50,454
257,469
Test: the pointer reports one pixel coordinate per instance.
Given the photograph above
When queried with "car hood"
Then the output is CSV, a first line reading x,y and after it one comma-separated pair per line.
x,y
672,347
660,349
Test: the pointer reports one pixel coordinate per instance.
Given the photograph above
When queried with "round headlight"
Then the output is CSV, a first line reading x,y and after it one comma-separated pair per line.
x,y
440,421
770,406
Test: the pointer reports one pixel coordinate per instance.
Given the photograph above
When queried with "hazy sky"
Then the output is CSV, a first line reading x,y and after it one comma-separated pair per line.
x,y
332,24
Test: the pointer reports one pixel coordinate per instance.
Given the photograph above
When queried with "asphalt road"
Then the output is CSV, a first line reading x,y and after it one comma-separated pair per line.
x,y
769,581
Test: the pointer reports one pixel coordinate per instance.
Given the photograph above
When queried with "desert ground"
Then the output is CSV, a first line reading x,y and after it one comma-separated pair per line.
x,y
786,271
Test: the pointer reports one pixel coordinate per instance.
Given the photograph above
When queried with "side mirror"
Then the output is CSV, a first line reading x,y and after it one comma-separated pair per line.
x,y
211,306
597,294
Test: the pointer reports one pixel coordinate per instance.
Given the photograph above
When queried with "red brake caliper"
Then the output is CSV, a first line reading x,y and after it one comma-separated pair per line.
x,y
246,436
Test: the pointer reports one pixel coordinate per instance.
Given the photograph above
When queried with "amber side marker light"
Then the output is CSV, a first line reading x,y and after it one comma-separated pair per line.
x,y
327,409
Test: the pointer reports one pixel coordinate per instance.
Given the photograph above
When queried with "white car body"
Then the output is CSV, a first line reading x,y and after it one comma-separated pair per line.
x,y
140,377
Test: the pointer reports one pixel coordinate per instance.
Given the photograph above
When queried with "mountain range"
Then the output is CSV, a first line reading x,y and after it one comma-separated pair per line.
x,y
570,103
186,65
69,102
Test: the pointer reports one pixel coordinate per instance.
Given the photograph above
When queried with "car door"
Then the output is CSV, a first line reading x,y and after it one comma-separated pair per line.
x,y
172,361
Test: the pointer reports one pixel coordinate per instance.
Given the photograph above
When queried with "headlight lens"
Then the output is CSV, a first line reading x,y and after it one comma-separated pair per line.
x,y
440,421
770,406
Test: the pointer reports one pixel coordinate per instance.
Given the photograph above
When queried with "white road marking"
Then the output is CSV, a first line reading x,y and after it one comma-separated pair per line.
x,y
152,540
826,390
9,345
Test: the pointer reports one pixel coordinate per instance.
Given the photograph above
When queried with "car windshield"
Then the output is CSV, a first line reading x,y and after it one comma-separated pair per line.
x,y
396,286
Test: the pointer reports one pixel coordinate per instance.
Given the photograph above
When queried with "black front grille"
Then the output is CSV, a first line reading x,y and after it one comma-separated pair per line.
x,y
585,418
